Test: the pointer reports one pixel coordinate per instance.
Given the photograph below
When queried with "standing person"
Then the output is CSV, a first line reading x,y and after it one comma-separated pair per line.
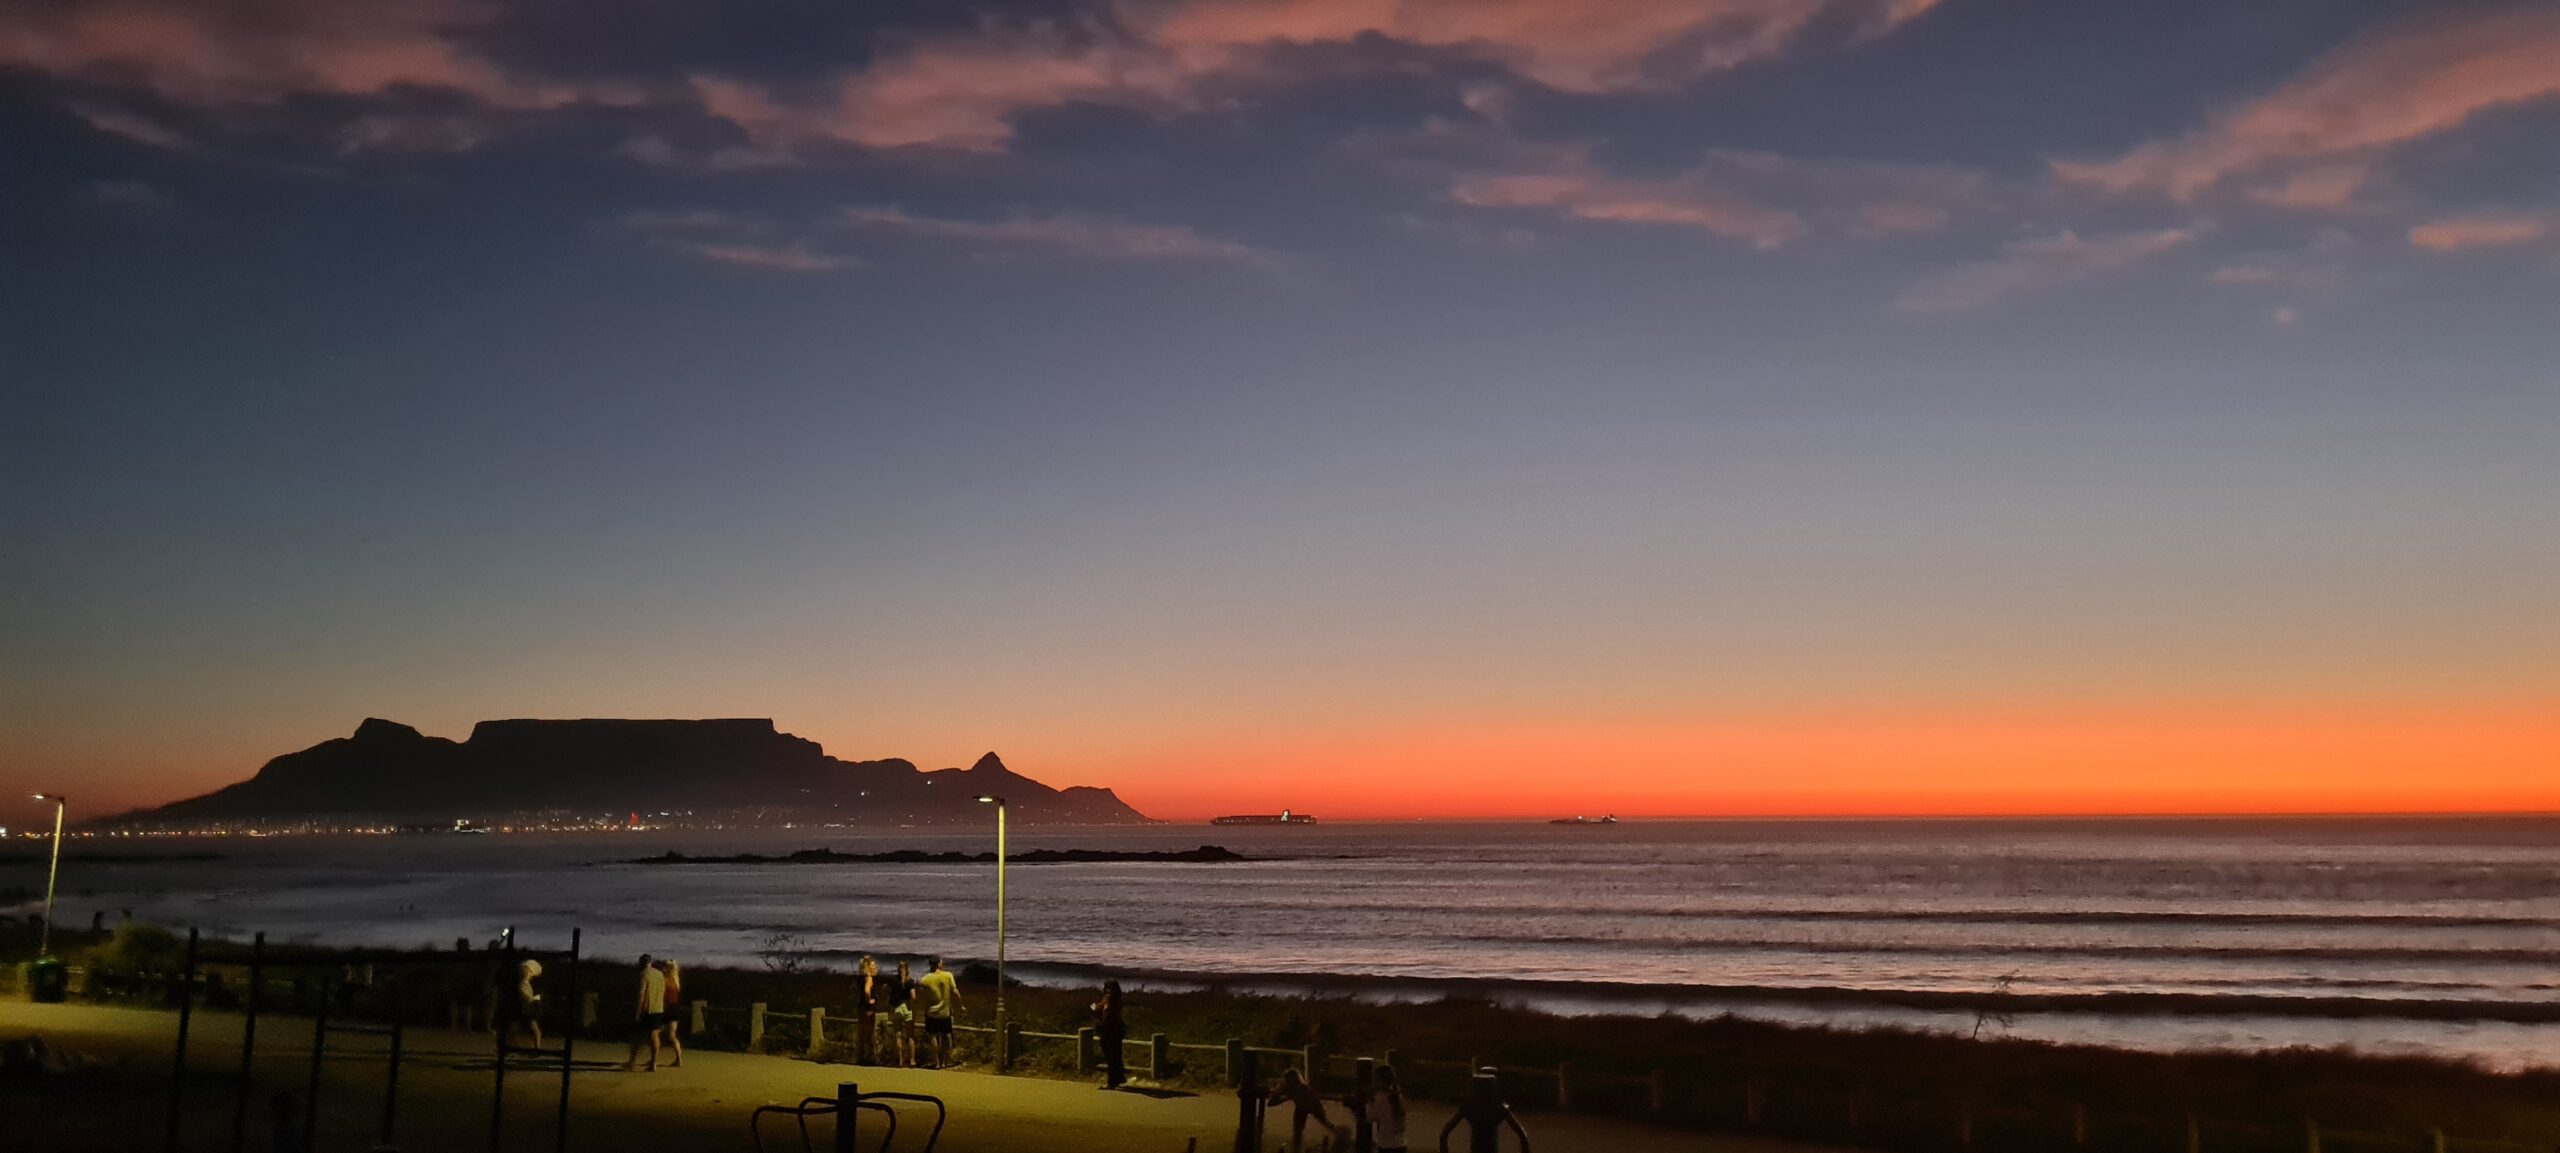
x,y
1305,1105
1386,1112
493,992
522,1008
1486,1116
668,1020
941,993
900,995
646,1013
1114,1031
866,1003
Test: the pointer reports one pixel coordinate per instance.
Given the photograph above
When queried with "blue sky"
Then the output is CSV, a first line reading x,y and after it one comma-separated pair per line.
x,y
1124,385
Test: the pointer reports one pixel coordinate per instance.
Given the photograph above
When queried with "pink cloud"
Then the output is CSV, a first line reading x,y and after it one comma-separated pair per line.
x,y
1673,203
2325,186
380,133
1571,45
1070,235
967,91
791,257
2483,231
206,54
132,126
2036,264
2417,80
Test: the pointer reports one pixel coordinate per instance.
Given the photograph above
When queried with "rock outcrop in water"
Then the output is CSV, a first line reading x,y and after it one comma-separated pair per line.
x,y
736,768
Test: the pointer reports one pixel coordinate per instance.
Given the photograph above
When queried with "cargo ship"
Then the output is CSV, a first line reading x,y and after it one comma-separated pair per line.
x,y
1607,820
1283,817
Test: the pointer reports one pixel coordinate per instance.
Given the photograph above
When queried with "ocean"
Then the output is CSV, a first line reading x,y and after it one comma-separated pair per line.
x,y
2435,936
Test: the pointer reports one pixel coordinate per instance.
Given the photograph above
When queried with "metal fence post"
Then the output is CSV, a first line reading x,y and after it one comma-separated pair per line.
x,y
186,1012
848,1095
311,1091
1364,1080
391,1089
568,1045
248,1043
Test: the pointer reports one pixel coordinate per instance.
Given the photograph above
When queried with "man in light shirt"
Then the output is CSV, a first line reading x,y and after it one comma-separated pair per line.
x,y
650,1013
941,999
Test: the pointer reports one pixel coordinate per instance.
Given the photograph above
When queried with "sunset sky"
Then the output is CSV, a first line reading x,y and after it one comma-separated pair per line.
x,y
1380,407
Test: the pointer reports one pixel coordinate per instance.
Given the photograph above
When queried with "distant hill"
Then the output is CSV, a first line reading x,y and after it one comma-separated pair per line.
x,y
388,770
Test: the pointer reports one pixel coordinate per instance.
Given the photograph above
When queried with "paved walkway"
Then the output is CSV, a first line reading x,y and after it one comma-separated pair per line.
x,y
121,1102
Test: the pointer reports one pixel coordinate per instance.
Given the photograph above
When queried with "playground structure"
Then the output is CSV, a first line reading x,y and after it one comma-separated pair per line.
x,y
338,1010
847,1107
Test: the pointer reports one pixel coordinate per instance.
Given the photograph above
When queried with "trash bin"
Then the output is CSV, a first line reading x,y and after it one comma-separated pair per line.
x,y
47,980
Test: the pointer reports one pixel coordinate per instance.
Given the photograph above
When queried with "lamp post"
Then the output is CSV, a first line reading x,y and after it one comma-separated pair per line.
x,y
44,938
998,802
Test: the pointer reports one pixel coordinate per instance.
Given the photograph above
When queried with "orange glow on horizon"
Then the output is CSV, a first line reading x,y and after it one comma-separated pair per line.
x,y
2205,761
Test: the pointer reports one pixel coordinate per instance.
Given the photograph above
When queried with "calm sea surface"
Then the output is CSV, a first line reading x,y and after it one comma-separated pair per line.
x,y
1690,917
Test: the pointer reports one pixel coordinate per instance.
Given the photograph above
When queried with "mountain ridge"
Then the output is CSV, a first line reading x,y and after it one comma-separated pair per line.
x,y
741,767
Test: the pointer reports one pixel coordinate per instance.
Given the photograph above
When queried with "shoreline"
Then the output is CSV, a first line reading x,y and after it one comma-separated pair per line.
x,y
1525,992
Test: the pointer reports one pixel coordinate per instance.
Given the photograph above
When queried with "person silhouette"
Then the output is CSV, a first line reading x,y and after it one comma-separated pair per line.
x,y
1486,1116
1305,1105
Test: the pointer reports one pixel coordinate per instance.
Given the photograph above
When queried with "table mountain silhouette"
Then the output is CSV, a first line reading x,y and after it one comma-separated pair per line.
x,y
390,770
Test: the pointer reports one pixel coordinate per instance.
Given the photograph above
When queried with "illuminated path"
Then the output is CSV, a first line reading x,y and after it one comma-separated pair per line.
x,y
444,1098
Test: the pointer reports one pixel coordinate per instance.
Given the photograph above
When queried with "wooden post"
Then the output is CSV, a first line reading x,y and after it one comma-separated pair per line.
x,y
1653,1089
1307,1062
817,1030
587,1010
1751,1094
2079,1123
1235,1061
699,1009
1564,1086
1012,1043
2195,1136
1388,1059
755,1027
1964,1125
1159,1055
2310,1136
1088,1050
2435,1140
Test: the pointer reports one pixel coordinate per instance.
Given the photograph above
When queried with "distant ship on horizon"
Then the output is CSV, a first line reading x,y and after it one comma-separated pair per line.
x,y
1611,819
1283,817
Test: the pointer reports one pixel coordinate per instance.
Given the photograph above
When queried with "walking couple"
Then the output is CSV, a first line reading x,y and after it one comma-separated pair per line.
x,y
654,1016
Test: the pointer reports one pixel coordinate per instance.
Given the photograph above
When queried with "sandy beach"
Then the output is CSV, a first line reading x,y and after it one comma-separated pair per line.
x,y
120,1102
